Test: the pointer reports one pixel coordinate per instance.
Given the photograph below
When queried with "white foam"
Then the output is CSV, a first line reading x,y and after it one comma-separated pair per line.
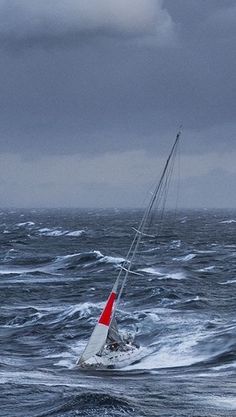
x,y
52,232
176,275
66,363
228,221
205,251
94,252
76,233
173,354
185,258
175,244
161,275
45,231
189,300
152,271
25,224
225,366
38,377
112,260
231,281
206,269
224,401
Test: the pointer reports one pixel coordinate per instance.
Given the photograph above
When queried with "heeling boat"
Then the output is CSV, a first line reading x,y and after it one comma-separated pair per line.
x,y
107,347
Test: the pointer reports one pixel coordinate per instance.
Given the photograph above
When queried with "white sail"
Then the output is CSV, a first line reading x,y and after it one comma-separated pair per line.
x,y
99,335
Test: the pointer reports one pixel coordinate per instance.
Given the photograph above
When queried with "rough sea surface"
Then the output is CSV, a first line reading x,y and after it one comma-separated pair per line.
x,y
56,270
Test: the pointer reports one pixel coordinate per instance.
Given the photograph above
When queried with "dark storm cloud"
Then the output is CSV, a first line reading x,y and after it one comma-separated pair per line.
x,y
89,76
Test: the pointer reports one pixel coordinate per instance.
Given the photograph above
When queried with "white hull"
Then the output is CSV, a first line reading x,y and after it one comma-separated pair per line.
x,y
112,359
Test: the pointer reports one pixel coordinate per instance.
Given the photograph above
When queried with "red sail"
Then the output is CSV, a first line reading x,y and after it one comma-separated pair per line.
x,y
105,317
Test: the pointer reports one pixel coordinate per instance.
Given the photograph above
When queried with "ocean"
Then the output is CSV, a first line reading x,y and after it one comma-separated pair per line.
x,y
56,270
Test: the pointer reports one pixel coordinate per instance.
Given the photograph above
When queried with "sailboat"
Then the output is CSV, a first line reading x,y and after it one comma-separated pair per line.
x,y
107,347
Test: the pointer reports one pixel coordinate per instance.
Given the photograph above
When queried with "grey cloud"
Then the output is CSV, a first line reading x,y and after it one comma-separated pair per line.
x,y
30,22
105,94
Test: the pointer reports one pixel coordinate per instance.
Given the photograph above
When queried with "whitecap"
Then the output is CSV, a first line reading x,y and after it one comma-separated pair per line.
x,y
190,300
176,275
25,224
175,243
76,233
112,260
185,258
52,232
231,281
171,355
205,251
206,269
96,253
228,402
228,221
152,271
162,275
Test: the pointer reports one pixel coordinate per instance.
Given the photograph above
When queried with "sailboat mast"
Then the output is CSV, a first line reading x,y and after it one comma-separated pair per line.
x,y
138,235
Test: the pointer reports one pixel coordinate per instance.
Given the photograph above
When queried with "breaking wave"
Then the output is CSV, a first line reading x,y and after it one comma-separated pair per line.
x,y
228,221
58,232
163,275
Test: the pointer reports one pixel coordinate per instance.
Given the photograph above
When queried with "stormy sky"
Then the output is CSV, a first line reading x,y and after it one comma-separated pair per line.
x,y
92,93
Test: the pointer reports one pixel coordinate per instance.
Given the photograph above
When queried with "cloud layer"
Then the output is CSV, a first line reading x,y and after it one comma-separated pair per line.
x,y
96,77
47,20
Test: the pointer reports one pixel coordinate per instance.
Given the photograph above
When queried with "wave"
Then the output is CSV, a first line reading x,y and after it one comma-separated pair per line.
x,y
84,259
190,300
228,221
76,233
80,259
172,354
20,271
205,251
152,271
162,275
90,403
25,316
51,232
25,224
58,232
228,402
230,281
112,260
94,257
176,275
206,269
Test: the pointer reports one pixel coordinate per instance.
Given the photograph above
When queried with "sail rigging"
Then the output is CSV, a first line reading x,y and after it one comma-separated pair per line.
x,y
161,187
106,330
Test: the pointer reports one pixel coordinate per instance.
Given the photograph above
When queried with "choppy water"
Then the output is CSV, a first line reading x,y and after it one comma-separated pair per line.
x,y
56,269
